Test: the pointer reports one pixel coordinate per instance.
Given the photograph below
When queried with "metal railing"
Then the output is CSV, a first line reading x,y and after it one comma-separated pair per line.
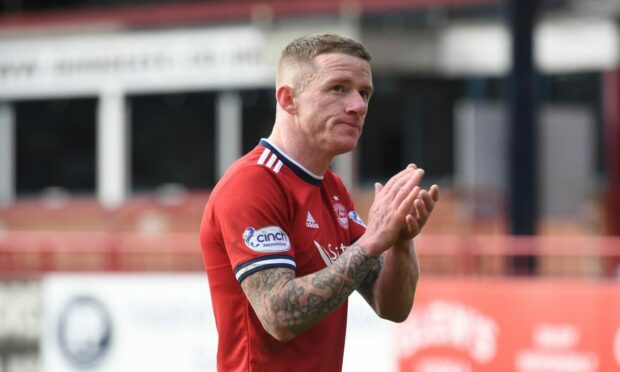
x,y
33,253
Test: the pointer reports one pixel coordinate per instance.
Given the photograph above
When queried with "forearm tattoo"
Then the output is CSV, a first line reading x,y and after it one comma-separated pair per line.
x,y
299,303
367,285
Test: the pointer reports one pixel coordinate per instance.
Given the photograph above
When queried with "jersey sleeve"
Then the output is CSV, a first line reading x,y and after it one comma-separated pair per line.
x,y
254,217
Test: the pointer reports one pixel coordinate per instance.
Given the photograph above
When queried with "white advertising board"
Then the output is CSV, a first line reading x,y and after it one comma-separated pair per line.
x,y
139,322
370,344
134,62
164,322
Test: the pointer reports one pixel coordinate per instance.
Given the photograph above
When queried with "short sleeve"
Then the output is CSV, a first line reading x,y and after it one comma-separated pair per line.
x,y
253,213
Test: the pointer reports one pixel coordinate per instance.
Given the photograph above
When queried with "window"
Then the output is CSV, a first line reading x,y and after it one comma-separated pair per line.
x,y
56,145
409,121
258,116
172,140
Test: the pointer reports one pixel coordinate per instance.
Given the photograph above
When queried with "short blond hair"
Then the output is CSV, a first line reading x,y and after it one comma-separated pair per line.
x,y
303,50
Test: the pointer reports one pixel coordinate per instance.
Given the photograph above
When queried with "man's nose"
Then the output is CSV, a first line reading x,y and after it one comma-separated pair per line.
x,y
357,104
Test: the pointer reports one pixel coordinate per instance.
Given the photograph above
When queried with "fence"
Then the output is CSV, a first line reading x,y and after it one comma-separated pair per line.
x,y
23,253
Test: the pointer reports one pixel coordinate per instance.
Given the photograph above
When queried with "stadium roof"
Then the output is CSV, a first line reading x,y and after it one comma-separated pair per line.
x,y
209,12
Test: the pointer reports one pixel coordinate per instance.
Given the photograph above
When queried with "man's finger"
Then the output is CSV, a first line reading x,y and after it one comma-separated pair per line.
x,y
413,227
434,191
422,212
427,199
398,187
407,204
400,175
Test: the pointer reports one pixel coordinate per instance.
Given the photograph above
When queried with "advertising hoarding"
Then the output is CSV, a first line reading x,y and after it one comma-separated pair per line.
x,y
127,322
512,325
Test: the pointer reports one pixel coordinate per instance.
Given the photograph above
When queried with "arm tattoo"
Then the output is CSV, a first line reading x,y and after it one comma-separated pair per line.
x,y
365,288
297,303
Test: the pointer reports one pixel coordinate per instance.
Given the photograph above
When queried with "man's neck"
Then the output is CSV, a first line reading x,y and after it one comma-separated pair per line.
x,y
311,159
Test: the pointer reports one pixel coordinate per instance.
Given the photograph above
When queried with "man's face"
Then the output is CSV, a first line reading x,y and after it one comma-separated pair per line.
x,y
332,105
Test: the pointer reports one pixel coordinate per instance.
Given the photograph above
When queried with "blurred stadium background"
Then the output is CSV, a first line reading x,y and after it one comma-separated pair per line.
x,y
117,117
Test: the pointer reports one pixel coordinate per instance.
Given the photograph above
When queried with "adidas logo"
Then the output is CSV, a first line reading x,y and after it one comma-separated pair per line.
x,y
310,222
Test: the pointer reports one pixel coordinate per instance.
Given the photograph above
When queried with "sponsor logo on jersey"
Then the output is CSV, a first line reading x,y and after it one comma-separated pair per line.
x,y
310,222
266,239
356,218
342,215
330,253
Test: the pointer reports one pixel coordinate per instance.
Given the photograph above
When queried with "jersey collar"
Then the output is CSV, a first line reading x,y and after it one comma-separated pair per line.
x,y
299,169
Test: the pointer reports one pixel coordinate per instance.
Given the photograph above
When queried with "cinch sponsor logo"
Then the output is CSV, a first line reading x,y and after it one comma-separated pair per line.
x,y
267,239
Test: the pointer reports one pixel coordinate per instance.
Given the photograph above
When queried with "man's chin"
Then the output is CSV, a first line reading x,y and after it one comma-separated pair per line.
x,y
345,146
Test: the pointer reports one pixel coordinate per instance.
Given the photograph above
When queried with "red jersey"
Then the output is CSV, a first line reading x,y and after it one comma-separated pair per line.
x,y
268,211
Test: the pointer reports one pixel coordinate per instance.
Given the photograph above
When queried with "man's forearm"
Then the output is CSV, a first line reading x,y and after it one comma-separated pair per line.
x,y
301,302
392,293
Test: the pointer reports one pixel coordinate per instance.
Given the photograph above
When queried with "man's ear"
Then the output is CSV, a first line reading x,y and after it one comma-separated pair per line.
x,y
285,95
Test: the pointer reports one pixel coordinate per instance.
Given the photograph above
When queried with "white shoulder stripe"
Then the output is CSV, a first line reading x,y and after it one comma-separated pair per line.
x,y
263,156
271,160
268,159
278,166
282,153
287,261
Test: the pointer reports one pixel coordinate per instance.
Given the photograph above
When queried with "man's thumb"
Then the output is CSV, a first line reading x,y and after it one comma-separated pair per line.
x,y
378,188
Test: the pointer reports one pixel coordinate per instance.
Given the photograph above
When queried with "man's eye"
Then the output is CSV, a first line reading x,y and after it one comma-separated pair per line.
x,y
339,88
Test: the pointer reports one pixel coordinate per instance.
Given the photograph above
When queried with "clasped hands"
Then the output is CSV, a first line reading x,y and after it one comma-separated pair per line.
x,y
401,207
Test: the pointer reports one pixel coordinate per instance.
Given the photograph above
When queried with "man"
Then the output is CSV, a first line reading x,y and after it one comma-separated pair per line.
x,y
282,243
